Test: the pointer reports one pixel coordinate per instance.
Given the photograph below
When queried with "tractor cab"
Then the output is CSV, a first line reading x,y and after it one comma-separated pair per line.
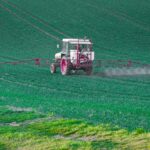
x,y
76,44
77,54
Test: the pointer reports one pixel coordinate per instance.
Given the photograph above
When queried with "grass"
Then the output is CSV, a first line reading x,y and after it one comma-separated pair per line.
x,y
119,30
129,96
59,133
13,115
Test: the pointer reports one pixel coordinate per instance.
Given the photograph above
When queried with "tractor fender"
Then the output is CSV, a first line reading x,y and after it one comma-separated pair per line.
x,y
58,56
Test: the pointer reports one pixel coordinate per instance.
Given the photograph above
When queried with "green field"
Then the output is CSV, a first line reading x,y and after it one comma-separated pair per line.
x,y
119,30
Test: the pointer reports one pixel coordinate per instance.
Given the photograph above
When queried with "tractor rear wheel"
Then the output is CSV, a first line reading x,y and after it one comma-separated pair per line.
x,y
65,66
53,68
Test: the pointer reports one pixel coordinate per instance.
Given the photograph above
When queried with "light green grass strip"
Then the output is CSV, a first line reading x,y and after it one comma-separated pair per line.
x,y
71,134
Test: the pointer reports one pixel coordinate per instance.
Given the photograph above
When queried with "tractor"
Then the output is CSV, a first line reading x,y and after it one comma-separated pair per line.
x,y
76,54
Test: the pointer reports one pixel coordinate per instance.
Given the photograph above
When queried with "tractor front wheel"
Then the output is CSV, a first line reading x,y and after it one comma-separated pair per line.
x,y
65,66
53,68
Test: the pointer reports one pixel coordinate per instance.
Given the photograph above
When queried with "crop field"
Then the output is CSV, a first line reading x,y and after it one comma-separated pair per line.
x,y
43,111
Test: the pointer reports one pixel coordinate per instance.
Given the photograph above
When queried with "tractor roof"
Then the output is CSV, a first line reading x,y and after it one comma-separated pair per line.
x,y
77,41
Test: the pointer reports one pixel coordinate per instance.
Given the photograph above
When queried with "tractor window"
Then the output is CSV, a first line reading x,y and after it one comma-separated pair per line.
x,y
65,47
85,47
72,46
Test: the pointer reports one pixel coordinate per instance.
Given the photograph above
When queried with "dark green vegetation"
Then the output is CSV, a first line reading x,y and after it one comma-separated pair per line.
x,y
119,30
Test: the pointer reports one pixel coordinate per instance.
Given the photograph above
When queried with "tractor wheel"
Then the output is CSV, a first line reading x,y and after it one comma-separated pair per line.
x,y
88,70
53,68
65,66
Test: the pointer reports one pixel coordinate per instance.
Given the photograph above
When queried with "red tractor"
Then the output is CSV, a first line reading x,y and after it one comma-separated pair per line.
x,y
76,54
